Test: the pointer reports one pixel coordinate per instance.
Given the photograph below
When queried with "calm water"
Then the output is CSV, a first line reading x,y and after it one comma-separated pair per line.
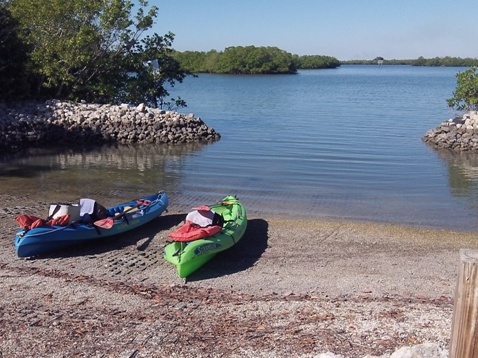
x,y
324,143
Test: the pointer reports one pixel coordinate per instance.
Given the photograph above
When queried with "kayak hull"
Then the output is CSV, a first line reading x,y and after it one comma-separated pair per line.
x,y
189,256
46,239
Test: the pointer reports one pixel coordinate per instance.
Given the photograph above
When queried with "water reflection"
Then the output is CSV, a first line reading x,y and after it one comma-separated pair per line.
x,y
111,171
318,144
462,174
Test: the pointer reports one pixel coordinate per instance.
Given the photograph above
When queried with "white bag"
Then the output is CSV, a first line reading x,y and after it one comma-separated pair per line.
x,y
71,209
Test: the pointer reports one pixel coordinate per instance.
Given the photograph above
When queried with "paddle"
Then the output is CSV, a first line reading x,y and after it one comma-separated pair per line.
x,y
109,222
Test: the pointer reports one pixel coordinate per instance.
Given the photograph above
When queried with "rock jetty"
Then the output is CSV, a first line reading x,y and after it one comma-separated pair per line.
x,y
457,134
65,123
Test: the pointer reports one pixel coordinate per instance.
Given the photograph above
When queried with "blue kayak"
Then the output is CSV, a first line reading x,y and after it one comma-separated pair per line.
x,y
121,218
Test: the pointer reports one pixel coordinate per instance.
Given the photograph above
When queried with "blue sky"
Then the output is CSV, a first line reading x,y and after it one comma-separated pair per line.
x,y
345,29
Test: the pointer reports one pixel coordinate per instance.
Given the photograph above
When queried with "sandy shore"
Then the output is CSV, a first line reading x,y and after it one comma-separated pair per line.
x,y
290,288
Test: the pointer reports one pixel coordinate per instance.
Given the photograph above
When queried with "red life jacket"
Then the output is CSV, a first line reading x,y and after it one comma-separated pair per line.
x,y
199,224
30,222
190,232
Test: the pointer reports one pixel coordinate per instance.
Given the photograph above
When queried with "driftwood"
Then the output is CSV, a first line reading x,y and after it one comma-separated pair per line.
x,y
464,339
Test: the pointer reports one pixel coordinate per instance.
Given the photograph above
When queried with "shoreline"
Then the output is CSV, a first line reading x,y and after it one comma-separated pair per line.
x,y
67,124
289,287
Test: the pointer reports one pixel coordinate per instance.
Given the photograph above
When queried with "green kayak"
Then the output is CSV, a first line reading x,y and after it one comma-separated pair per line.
x,y
206,231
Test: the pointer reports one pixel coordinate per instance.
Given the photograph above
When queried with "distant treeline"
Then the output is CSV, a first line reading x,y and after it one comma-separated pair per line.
x,y
421,61
250,60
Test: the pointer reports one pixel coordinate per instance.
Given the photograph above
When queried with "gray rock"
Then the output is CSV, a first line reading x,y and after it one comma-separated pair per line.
x,y
66,123
457,134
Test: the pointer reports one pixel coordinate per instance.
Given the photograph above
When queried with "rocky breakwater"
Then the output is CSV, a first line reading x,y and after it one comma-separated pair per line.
x,y
458,134
64,123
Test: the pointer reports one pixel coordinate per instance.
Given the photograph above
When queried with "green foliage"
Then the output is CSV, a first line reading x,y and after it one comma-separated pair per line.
x,y
446,61
147,85
316,62
238,60
13,59
255,60
251,60
193,61
465,96
95,50
420,61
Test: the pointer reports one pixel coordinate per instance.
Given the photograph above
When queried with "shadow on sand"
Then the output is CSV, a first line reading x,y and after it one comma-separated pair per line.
x,y
239,257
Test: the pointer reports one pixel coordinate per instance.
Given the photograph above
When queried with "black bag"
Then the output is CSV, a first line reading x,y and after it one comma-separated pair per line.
x,y
217,220
99,212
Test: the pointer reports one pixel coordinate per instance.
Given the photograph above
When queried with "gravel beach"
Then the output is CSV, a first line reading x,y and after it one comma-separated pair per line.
x,y
289,288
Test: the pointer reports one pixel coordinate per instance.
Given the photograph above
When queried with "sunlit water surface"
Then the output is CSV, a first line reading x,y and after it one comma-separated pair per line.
x,y
343,143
